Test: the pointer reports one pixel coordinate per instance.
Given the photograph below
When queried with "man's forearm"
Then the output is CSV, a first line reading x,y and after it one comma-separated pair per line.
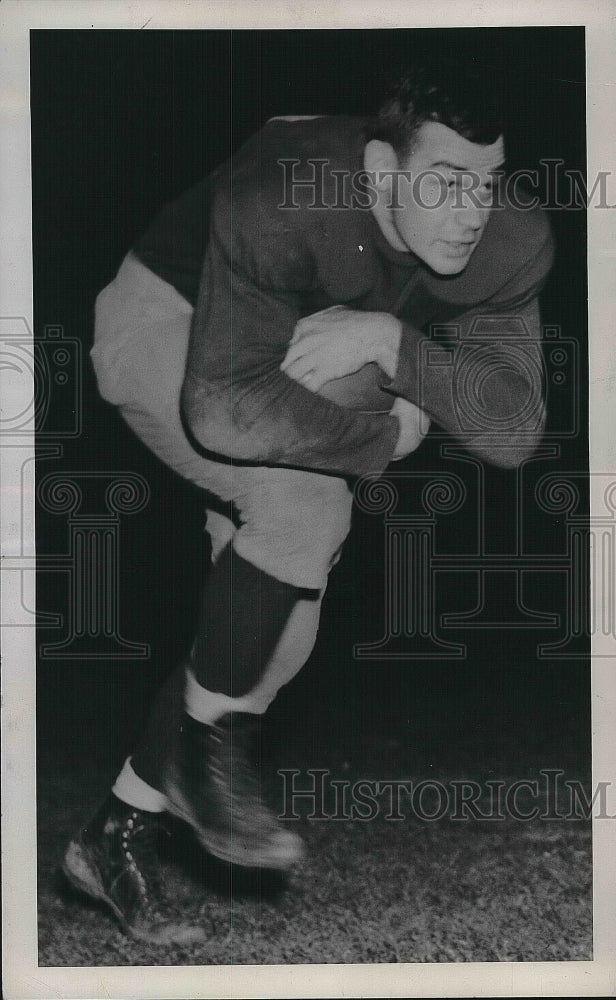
x,y
504,424
278,422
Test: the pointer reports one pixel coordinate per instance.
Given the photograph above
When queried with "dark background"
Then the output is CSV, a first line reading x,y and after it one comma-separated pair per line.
x,y
122,121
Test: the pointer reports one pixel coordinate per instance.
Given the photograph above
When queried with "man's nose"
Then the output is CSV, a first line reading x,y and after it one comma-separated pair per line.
x,y
471,217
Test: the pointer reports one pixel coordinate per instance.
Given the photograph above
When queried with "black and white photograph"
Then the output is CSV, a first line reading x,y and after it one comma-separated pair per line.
x,y
308,542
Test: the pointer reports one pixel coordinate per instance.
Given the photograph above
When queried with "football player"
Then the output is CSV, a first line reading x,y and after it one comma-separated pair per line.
x,y
269,339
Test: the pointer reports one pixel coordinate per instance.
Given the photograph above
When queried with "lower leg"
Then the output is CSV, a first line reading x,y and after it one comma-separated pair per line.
x,y
291,653
243,615
210,783
159,740
198,757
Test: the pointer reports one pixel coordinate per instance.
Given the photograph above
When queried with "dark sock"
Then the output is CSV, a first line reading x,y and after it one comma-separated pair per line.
x,y
243,614
159,738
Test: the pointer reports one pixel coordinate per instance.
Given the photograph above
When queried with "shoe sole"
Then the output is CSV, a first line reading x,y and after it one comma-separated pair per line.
x,y
85,879
278,859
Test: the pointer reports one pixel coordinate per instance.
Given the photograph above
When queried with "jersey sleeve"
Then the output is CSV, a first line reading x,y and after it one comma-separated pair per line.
x,y
236,401
480,375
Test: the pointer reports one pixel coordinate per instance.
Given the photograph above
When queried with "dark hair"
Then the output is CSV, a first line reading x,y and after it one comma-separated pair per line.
x,y
462,97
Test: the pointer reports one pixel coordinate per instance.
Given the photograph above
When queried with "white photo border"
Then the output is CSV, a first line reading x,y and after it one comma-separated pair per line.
x,y
22,976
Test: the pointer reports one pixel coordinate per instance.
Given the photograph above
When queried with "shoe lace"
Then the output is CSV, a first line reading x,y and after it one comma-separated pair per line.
x,y
140,841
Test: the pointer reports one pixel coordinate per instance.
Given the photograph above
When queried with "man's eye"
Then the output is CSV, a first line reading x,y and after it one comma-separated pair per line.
x,y
488,191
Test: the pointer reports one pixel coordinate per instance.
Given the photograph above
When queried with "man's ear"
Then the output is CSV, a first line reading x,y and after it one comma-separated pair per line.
x,y
380,160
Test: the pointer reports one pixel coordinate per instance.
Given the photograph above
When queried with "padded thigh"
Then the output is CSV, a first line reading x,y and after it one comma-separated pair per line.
x,y
293,522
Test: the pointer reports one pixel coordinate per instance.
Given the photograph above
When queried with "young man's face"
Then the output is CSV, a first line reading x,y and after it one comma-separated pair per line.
x,y
446,205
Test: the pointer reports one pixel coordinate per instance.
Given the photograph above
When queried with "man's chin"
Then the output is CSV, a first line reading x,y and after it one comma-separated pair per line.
x,y
448,266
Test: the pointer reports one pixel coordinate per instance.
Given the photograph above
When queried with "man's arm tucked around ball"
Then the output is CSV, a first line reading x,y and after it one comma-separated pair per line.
x,y
338,341
483,384
235,399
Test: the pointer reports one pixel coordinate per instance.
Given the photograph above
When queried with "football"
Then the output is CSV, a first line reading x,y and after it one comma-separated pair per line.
x,y
361,390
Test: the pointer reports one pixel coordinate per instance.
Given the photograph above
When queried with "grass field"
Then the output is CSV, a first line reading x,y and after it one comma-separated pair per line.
x,y
376,891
